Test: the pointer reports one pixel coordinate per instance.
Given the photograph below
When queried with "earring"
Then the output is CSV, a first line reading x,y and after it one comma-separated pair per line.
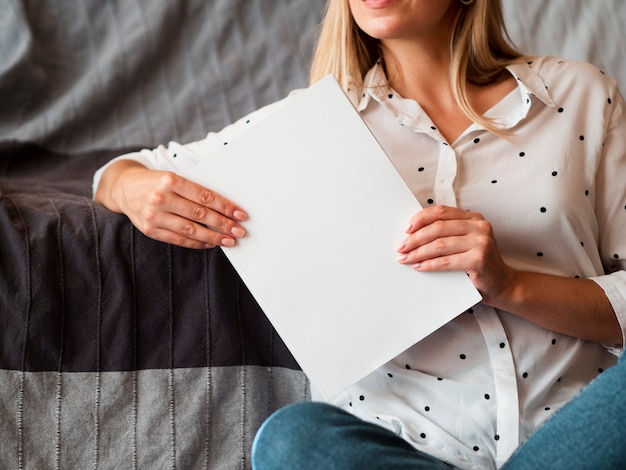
x,y
467,2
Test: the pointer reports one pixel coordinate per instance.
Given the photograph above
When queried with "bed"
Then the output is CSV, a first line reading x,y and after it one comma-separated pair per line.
x,y
117,351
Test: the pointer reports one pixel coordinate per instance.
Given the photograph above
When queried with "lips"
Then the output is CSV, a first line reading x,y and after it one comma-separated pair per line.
x,y
378,4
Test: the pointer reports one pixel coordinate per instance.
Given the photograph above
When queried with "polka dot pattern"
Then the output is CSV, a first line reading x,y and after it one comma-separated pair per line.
x,y
537,184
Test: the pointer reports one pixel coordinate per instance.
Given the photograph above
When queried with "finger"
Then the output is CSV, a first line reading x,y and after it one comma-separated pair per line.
x,y
437,230
474,260
180,231
210,218
173,238
432,214
180,196
436,250
475,253
208,198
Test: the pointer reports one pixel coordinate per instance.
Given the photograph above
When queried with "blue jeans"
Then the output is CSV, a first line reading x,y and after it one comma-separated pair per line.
x,y
587,433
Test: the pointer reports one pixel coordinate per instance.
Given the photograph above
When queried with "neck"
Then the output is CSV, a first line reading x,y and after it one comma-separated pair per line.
x,y
423,74
420,71
412,71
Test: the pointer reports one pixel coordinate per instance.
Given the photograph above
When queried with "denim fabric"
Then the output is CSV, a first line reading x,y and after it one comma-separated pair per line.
x,y
587,433
314,436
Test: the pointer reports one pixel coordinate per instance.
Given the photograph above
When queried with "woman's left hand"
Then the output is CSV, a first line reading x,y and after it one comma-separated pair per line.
x,y
443,238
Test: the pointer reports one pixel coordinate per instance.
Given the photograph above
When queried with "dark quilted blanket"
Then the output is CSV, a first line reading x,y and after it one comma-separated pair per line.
x,y
90,293
117,350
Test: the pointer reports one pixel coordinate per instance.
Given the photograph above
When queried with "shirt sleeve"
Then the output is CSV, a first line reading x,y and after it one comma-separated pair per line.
x,y
611,209
177,157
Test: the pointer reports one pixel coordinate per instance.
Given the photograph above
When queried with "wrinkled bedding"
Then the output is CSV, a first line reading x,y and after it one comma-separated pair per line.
x,y
117,351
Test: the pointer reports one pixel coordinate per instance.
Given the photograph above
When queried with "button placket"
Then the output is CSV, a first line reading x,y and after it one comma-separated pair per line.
x,y
446,173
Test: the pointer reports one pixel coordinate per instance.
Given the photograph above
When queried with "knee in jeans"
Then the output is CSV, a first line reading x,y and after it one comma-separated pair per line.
x,y
291,431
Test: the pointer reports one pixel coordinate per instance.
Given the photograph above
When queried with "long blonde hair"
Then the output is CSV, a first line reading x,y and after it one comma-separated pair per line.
x,y
479,44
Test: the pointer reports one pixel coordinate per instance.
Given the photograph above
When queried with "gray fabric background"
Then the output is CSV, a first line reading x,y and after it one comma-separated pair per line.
x,y
78,75
85,74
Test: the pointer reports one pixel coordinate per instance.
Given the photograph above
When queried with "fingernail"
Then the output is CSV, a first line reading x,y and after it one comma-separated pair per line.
x,y
400,247
402,257
227,242
240,215
237,232
408,228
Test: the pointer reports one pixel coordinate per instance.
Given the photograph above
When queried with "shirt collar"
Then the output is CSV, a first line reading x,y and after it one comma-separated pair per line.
x,y
529,82
372,83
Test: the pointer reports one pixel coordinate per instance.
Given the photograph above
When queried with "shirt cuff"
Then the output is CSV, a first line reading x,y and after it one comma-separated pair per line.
x,y
614,286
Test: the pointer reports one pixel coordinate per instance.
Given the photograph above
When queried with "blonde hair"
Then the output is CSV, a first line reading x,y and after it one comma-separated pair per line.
x,y
480,48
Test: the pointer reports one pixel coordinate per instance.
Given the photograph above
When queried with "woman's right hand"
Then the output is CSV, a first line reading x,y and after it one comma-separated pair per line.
x,y
170,208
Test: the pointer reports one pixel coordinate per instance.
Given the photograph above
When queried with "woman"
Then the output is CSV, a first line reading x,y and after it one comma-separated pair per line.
x,y
519,163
